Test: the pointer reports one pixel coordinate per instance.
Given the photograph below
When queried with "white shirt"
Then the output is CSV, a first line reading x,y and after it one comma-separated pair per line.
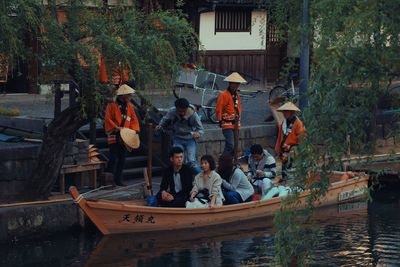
x,y
177,182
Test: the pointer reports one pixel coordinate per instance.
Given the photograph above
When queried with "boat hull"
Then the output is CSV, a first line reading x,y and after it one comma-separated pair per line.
x,y
114,217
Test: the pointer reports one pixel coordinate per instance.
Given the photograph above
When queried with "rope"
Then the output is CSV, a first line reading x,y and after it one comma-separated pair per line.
x,y
85,195
78,199
111,191
95,190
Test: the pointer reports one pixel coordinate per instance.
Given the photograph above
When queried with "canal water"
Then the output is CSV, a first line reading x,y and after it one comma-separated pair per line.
x,y
354,234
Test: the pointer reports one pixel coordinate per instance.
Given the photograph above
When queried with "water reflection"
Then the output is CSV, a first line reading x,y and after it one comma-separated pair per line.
x,y
351,235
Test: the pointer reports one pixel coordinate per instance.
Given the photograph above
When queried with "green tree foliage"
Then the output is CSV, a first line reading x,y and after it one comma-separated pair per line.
x,y
355,56
18,20
73,36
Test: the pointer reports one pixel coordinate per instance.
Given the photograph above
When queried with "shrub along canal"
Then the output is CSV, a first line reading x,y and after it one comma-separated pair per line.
x,y
352,234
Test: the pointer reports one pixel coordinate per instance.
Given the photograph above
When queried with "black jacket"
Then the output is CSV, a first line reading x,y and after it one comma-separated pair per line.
x,y
187,177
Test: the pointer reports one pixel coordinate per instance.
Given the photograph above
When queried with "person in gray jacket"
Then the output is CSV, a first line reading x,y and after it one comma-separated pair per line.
x,y
185,127
236,188
262,168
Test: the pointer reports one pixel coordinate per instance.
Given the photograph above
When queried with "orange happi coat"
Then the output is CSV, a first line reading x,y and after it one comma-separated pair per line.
x,y
226,109
293,137
113,119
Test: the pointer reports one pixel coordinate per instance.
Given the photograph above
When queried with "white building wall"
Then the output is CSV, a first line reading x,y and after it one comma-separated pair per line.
x,y
211,40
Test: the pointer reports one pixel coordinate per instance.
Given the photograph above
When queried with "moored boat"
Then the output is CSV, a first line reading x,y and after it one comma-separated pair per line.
x,y
113,217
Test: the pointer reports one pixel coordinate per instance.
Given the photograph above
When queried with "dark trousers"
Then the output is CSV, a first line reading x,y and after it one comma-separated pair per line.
x,y
178,202
116,161
233,197
229,140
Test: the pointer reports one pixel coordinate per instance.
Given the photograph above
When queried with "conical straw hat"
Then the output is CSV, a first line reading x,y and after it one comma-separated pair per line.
x,y
130,138
289,106
235,78
94,159
93,154
125,90
92,149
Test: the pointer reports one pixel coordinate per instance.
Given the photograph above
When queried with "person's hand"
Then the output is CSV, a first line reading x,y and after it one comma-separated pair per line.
x,y
212,205
286,147
191,199
260,173
249,177
166,196
195,135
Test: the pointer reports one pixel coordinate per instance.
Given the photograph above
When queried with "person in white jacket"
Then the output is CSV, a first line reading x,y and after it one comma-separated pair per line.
x,y
206,191
262,168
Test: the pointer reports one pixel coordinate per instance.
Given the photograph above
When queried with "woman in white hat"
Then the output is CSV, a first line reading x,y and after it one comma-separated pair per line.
x,y
289,134
119,114
229,109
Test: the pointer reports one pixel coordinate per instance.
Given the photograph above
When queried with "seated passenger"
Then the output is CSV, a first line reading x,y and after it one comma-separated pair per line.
x,y
262,168
235,185
176,181
206,191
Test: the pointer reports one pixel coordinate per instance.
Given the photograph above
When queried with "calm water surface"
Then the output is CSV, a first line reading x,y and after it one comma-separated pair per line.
x,y
351,235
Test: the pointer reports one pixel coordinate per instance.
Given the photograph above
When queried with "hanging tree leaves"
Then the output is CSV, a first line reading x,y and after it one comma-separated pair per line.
x,y
74,36
355,57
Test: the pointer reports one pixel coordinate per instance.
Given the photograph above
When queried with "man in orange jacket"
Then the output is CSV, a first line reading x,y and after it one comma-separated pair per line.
x,y
119,114
289,133
229,109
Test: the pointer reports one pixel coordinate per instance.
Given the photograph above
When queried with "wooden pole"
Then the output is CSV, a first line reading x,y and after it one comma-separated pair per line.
x,y
148,191
149,152
57,98
304,57
236,140
92,131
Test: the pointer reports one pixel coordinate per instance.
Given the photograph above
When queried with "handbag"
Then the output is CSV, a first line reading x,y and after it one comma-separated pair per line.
x,y
203,196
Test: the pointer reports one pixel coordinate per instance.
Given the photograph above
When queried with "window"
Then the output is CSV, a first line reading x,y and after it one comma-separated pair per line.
x,y
233,20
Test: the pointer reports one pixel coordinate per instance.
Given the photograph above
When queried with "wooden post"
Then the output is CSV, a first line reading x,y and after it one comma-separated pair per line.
x,y
92,131
72,94
149,133
72,102
57,98
148,191
236,140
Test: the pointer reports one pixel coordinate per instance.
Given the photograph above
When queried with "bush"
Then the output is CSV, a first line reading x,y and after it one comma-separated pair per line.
x,y
9,112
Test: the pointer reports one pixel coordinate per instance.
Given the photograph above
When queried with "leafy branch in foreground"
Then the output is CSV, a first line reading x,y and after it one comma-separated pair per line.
x,y
73,40
355,48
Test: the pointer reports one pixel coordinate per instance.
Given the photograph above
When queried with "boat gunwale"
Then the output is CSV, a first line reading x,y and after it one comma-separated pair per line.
x,y
115,205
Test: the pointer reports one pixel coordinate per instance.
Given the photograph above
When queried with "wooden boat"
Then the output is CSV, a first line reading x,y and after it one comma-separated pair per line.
x,y
136,248
387,164
114,217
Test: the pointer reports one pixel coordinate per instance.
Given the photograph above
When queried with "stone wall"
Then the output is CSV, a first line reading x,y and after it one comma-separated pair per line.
x,y
213,142
76,152
17,160
25,222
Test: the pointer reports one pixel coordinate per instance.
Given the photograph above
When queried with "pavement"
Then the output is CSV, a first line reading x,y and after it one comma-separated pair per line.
x,y
255,110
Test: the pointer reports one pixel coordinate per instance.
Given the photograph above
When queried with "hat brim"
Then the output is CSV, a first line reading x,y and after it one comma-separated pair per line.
x,y
130,138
